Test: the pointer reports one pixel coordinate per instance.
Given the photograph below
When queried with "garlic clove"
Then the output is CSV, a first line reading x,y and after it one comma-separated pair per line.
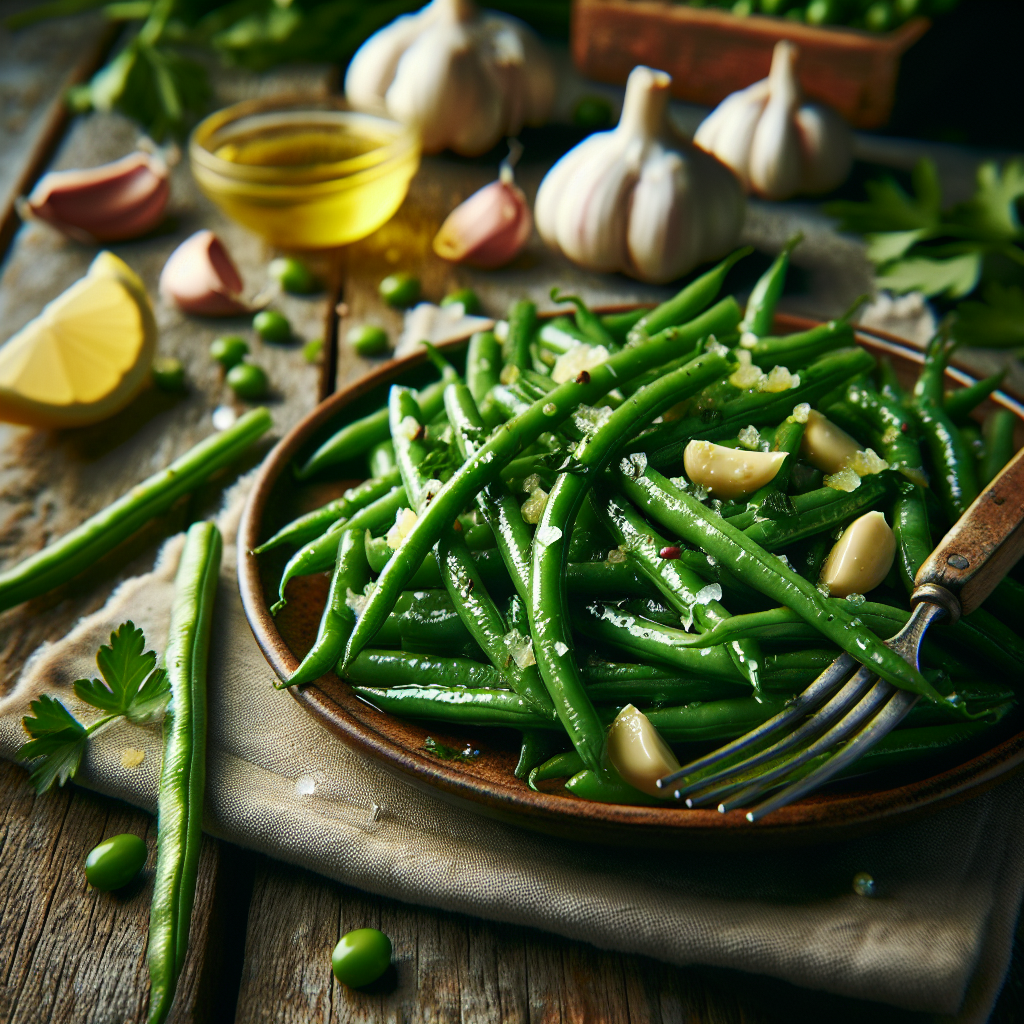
x,y
826,446
638,753
487,230
116,201
775,168
827,147
728,132
861,558
729,473
200,277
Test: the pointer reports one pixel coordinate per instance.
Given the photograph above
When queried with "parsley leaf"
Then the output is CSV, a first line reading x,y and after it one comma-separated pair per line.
x,y
132,685
955,277
57,737
991,214
998,322
889,208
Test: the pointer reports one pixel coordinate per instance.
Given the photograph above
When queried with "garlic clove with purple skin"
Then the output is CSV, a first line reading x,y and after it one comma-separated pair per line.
x,y
200,277
490,228
116,201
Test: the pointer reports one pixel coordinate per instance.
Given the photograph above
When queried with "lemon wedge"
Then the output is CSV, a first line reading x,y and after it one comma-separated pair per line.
x,y
85,356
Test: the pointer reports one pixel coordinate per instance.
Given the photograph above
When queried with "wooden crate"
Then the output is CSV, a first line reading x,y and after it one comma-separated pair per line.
x,y
711,53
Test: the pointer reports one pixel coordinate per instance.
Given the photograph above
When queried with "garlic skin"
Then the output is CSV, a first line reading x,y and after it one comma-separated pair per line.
x,y
490,228
640,199
777,144
730,473
861,558
462,78
638,753
200,277
111,203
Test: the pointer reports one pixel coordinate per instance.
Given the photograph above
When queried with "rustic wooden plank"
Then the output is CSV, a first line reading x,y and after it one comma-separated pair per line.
x,y
73,954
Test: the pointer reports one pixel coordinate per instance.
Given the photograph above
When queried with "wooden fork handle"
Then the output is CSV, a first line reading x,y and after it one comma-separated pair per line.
x,y
985,543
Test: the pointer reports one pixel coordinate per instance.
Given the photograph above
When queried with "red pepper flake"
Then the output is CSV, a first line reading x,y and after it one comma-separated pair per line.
x,y
457,526
904,427
583,377
670,551
421,432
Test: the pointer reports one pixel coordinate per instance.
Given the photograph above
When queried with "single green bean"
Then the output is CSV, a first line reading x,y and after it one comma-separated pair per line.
x,y
558,767
913,534
86,544
787,439
313,524
682,513
619,325
892,428
797,350
589,323
560,335
384,668
382,459
426,621
483,363
764,297
999,443
465,705
888,383
183,772
522,322
961,403
537,746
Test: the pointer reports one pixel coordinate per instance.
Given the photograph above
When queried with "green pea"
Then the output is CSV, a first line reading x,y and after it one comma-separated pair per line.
x,y
400,289
229,350
368,340
272,326
878,17
169,374
468,298
743,8
821,12
293,276
361,956
312,349
247,380
592,113
115,862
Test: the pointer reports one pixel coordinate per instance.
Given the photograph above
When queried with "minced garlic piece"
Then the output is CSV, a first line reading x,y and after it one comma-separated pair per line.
x,y
533,507
866,463
801,412
780,379
845,480
569,365
746,375
405,520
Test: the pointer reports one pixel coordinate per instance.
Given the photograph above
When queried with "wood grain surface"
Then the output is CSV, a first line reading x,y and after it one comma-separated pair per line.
x,y
262,931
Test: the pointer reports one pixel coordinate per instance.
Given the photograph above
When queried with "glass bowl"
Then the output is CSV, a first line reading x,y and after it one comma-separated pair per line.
x,y
304,174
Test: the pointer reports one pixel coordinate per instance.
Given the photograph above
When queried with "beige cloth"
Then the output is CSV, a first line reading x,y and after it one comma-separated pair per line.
x,y
937,938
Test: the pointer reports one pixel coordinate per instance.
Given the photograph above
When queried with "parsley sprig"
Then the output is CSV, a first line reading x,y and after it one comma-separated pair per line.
x,y
132,687
975,248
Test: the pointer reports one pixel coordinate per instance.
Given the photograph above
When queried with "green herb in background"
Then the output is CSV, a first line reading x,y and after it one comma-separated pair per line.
x,y
446,753
152,80
973,249
132,687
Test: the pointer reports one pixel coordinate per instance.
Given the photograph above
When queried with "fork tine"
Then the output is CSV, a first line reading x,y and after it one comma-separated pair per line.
x,y
815,695
868,708
846,698
881,725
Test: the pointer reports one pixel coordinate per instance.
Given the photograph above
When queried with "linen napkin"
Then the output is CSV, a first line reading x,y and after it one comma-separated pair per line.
x,y
936,938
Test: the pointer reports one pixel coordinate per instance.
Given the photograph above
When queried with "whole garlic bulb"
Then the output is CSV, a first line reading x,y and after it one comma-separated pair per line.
x,y
462,78
640,198
777,144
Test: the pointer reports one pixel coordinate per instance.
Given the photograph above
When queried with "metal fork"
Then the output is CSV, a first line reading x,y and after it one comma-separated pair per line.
x,y
840,716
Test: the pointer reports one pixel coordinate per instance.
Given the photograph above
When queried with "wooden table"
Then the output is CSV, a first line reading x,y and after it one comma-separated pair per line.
x,y
261,931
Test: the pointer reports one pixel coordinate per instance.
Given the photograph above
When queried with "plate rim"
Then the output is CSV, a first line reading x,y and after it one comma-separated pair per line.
x,y
806,821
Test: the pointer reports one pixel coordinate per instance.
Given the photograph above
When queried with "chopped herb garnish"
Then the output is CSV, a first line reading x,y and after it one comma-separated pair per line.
x,y
446,753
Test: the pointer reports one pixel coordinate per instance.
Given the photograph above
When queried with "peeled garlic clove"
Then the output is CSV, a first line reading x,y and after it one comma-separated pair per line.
x,y
638,753
861,558
120,200
826,446
489,229
729,473
200,277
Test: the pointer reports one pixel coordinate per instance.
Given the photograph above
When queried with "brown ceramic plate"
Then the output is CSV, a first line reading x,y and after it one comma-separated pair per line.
x,y
486,784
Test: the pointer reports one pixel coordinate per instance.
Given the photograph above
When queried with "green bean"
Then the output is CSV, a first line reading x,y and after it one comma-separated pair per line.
x,y
385,668
619,325
313,524
776,534
522,322
319,555
351,575
589,323
888,383
764,297
685,591
426,621
560,335
408,433
381,459
537,747
714,720
688,302
683,514
558,767
483,363
999,443
552,638
797,350
508,441
464,705
983,634
961,403
893,429
664,443
357,438
913,535
86,544
787,439
183,772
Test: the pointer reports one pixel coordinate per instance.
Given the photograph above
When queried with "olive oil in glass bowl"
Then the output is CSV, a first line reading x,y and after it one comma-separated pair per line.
x,y
304,174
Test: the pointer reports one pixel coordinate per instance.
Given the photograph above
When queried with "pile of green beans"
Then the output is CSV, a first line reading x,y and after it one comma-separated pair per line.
x,y
529,554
